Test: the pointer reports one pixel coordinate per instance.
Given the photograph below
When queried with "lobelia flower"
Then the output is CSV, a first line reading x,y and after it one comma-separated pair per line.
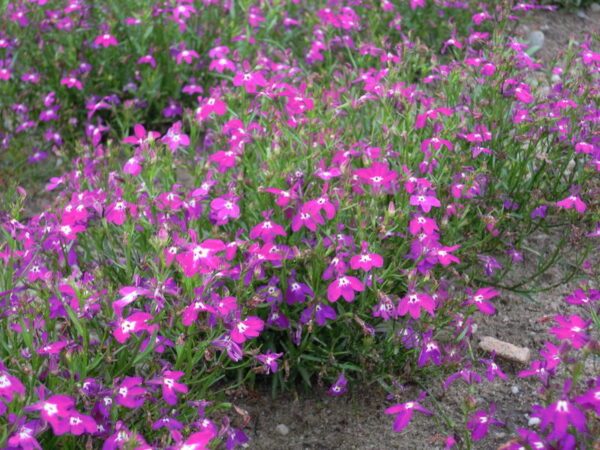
x,y
249,328
175,138
468,375
571,328
571,202
170,386
425,202
250,81
106,40
480,422
591,398
297,292
141,137
77,424
430,351
492,370
116,212
267,231
186,56
420,224
209,106
345,286
479,299
234,351
378,176
130,393
10,386
224,208
55,410
24,437
307,219
135,323
129,295
191,312
321,313
133,166
340,387
404,412
269,361
413,302
198,441
123,439
366,261
560,415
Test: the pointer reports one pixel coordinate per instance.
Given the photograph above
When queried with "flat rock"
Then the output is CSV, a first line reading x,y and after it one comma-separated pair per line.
x,y
282,429
505,350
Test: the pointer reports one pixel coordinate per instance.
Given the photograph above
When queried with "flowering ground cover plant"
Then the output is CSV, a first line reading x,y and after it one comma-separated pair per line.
x,y
298,192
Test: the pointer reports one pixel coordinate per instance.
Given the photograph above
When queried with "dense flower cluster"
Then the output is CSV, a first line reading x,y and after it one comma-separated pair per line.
x,y
289,189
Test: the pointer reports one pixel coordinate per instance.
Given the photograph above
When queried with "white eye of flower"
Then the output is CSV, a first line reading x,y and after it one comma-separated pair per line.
x,y
562,406
50,408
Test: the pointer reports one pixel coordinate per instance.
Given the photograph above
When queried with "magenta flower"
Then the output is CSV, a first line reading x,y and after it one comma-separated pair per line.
x,y
571,202
224,208
591,398
269,361
413,302
132,166
190,313
250,81
141,137
55,410
186,56
170,386
404,412
129,295
10,387
72,83
366,261
135,323
307,219
130,393
560,415
123,439
198,441
425,202
378,176
345,286
571,328
430,351
340,387
249,328
320,312
77,424
480,422
24,436
209,106
479,299
523,93
175,138
267,231
421,224
106,40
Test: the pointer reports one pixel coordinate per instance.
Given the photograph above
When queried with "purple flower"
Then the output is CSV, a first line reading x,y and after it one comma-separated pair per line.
x,y
403,413
480,422
340,387
560,415
269,361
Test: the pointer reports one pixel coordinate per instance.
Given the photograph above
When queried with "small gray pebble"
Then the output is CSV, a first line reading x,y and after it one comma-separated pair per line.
x,y
514,389
282,429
